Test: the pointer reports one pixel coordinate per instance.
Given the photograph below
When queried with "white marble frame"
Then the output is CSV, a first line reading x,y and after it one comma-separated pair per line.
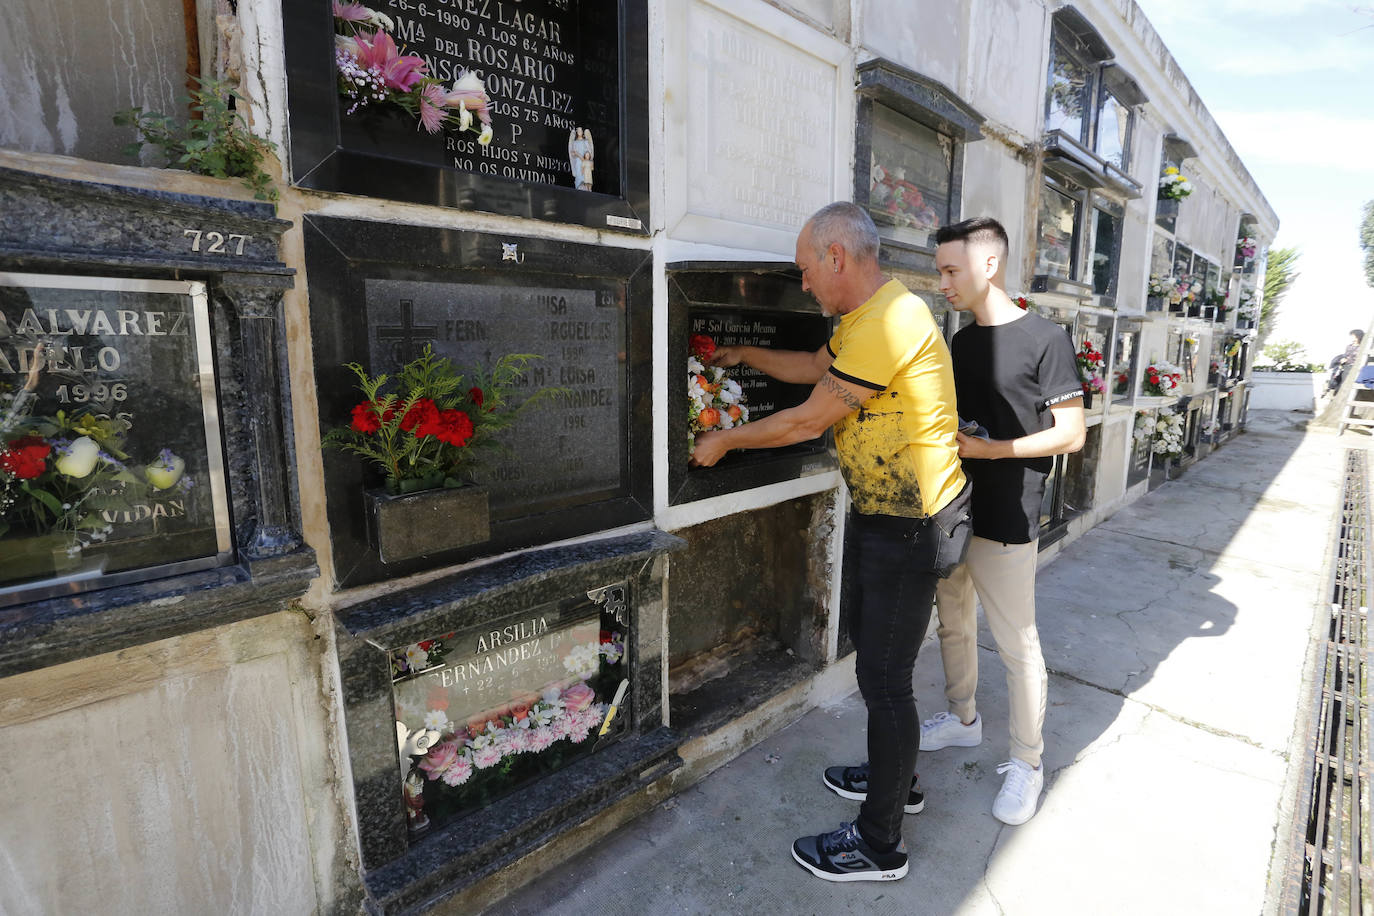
x,y
680,222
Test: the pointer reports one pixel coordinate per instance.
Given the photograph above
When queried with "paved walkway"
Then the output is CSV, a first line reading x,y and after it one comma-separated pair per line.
x,y
1176,634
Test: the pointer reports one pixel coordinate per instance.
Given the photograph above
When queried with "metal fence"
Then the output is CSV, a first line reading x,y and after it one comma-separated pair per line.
x,y
1330,861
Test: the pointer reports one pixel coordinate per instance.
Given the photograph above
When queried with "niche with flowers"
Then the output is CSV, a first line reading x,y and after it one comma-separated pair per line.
x,y
536,109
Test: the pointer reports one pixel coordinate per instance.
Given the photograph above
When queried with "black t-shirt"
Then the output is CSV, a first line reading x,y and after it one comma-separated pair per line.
x,y
1007,376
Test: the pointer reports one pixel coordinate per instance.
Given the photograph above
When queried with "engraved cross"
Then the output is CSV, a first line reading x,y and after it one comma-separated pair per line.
x,y
408,333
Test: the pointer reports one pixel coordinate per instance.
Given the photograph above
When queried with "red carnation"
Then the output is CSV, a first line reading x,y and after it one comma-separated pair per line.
x,y
702,347
451,426
365,419
476,396
421,413
25,458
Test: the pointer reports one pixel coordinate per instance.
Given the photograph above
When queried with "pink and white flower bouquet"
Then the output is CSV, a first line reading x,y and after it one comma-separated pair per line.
x,y
372,70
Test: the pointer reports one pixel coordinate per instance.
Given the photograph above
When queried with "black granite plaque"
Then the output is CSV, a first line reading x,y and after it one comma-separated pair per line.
x,y
381,292
567,81
110,461
757,328
757,305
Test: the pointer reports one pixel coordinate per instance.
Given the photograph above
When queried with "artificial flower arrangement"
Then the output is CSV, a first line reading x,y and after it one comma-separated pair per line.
x,y
1246,246
1022,301
1090,363
1162,378
1168,434
714,400
1216,298
481,755
1247,304
68,475
373,71
435,429
1173,186
1163,287
901,200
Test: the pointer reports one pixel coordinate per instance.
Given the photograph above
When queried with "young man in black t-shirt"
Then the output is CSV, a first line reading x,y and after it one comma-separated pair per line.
x,y
1014,374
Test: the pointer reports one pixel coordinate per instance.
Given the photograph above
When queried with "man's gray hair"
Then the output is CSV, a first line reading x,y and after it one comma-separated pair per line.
x,y
847,225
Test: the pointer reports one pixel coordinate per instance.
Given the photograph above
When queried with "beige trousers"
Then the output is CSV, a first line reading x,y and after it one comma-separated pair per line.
x,y
1003,576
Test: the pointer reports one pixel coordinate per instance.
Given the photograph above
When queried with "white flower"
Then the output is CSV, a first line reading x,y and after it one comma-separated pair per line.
x,y
78,459
464,118
583,660
416,658
485,136
436,719
694,365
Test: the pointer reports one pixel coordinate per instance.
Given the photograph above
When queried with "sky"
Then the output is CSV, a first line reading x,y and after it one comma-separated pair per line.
x,y
1291,84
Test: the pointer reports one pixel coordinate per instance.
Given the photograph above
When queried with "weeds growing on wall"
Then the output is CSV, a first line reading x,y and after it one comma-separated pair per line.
x,y
217,143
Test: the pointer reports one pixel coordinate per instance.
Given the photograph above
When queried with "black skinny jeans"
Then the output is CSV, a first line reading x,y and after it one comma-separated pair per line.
x,y
895,563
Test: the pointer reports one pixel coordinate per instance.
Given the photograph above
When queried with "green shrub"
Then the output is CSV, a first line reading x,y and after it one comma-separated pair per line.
x,y
217,143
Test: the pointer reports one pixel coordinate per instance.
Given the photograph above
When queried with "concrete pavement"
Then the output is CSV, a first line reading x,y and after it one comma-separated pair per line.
x,y
1176,632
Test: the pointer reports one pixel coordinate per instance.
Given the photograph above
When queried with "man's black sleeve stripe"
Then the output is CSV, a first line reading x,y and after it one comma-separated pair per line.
x,y
854,381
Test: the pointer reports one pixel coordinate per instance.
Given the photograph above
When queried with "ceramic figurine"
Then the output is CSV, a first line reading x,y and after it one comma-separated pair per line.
x,y
414,743
581,157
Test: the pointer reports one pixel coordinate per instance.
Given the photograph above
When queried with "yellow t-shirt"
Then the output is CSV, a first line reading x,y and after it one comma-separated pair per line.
x,y
897,451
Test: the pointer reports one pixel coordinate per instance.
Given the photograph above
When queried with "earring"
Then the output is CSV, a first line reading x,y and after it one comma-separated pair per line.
x,y
837,268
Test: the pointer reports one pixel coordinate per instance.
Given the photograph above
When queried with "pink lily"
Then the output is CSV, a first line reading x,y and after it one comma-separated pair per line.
x,y
469,93
432,108
351,12
399,71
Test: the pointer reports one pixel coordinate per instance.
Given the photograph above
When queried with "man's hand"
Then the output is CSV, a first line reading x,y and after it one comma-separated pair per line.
x,y
976,447
725,357
710,448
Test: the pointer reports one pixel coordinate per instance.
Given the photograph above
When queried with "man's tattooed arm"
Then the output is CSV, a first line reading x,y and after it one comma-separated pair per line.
x,y
832,385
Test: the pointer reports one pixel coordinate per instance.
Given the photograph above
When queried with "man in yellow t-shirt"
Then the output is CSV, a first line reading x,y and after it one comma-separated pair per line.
x,y
884,382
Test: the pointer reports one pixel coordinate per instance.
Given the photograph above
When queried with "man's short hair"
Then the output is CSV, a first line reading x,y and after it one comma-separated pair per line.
x,y
981,230
847,225
1358,334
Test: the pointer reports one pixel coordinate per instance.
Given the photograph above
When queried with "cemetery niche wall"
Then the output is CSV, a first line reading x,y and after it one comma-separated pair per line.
x,y
575,463
142,413
748,304
566,85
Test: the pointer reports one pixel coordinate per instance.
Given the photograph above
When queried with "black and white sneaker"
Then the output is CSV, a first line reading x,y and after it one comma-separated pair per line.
x,y
852,782
844,856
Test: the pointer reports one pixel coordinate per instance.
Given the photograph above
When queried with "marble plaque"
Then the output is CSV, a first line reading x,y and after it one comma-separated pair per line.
x,y
759,97
567,445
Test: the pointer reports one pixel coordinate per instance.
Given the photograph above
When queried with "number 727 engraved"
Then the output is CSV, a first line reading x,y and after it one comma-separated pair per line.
x,y
215,241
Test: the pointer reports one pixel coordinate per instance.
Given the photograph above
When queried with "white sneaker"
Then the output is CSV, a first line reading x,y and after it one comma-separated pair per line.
x,y
945,730
1015,804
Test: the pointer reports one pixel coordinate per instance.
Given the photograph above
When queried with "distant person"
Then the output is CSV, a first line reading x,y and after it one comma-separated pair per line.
x,y
1016,376
1341,362
884,383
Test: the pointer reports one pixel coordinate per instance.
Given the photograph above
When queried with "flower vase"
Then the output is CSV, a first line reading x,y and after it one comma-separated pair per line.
x,y
406,526
1166,208
1087,399
1154,303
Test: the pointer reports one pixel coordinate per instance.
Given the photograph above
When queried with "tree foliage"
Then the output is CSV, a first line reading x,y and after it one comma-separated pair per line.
x,y
1367,241
1279,274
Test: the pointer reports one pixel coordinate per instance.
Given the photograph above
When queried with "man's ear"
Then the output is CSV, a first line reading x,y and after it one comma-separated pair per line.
x,y
991,264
